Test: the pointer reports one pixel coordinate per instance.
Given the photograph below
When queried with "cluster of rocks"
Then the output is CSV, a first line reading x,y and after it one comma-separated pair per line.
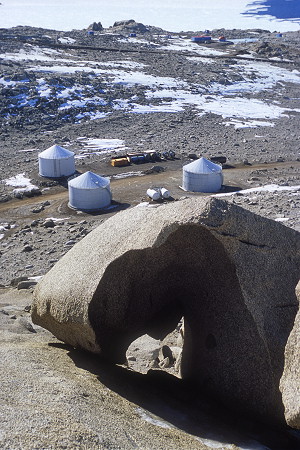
x,y
146,353
32,249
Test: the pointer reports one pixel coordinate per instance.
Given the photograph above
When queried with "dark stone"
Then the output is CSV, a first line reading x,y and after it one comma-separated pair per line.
x,y
27,248
16,281
49,223
95,27
26,284
218,159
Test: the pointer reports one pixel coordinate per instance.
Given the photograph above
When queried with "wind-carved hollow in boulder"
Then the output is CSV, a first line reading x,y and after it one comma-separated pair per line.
x,y
190,274
231,274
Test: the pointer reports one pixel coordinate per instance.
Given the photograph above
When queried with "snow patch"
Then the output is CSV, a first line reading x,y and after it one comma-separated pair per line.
x,y
21,183
274,188
94,146
127,175
57,220
249,124
66,40
281,219
162,108
189,46
18,181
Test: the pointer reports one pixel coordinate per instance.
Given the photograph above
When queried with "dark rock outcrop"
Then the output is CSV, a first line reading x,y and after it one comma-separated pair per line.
x,y
130,25
95,26
230,273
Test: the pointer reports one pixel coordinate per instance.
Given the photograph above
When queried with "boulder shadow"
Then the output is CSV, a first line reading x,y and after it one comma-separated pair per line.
x,y
179,403
227,189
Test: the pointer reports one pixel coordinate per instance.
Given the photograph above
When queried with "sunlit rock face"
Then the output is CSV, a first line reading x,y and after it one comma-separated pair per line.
x,y
290,381
230,273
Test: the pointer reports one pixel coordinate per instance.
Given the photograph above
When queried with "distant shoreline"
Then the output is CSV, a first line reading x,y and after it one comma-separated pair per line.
x,y
176,18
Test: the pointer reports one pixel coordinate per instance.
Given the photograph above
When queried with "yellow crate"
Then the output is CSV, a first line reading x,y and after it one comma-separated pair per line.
x,y
119,162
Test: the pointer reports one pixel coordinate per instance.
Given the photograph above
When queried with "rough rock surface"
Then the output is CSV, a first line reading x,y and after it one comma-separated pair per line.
x,y
290,381
230,273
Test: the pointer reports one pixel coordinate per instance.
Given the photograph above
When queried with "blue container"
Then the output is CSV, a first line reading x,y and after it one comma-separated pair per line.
x,y
201,38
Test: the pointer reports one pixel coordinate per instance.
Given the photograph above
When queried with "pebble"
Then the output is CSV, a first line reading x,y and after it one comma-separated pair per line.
x,y
49,223
27,248
38,209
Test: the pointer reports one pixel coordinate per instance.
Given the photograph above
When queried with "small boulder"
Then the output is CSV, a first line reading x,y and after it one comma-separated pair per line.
x,y
218,159
26,284
38,209
27,248
49,223
15,281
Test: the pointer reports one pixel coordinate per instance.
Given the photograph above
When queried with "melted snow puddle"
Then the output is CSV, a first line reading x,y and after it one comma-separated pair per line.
x,y
208,442
153,420
211,443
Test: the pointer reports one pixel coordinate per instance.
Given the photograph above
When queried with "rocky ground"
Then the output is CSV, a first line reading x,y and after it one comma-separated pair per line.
x,y
40,107
46,97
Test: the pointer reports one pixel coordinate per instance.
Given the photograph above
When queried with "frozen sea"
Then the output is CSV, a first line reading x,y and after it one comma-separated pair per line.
x,y
171,15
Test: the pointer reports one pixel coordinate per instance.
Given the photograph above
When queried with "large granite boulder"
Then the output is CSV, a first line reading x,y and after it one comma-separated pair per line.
x,y
290,381
230,273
